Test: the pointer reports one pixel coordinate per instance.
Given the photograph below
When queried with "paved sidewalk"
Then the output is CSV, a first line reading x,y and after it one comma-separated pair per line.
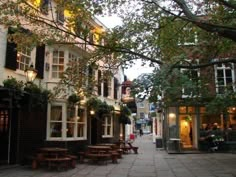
x,y
148,163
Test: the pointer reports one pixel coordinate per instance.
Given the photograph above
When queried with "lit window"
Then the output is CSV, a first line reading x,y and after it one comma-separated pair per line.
x,y
66,123
107,126
57,64
23,58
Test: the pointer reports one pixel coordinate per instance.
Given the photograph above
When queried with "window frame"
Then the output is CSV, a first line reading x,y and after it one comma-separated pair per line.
x,y
182,70
224,68
64,123
106,124
58,63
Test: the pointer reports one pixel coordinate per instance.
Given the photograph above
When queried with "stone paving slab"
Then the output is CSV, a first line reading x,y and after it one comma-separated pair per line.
x,y
150,162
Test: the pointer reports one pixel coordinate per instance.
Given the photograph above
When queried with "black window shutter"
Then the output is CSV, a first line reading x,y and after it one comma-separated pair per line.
x,y
115,87
99,82
105,88
11,53
39,65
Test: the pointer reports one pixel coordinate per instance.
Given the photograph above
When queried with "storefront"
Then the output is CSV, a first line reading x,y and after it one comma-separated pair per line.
x,y
188,125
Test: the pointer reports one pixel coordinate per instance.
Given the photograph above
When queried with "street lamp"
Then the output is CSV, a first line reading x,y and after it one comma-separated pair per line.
x,y
30,74
92,112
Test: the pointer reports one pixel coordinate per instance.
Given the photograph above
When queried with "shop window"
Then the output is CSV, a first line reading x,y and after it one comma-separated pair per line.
x,y
58,64
224,74
107,126
66,123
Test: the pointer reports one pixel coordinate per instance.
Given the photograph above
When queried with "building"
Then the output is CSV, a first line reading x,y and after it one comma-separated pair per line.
x,y
64,121
205,96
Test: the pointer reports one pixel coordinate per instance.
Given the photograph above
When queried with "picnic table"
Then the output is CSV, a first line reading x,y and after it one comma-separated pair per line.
x,y
54,157
100,152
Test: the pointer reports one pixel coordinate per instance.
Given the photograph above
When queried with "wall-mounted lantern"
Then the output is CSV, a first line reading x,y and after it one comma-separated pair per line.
x,y
30,74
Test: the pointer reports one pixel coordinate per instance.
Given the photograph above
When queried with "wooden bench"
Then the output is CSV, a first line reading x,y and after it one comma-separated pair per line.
x,y
114,156
73,160
98,157
37,160
59,163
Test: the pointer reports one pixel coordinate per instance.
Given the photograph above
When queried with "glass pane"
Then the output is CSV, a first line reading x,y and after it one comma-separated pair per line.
x,y
80,130
55,60
191,109
228,73
55,130
220,73
202,109
56,113
182,109
70,129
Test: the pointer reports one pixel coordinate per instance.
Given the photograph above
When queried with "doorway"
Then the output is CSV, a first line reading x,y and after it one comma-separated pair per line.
x,y
94,131
4,136
188,132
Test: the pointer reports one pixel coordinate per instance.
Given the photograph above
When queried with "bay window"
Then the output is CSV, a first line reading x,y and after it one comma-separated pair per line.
x,y
66,122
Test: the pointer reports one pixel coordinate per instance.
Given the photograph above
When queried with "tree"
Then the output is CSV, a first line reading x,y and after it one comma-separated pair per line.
x,y
140,36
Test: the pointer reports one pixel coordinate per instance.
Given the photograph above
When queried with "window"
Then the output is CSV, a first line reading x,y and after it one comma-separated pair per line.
x,y
141,105
142,115
190,82
57,64
188,36
107,126
66,123
60,15
23,58
225,80
44,6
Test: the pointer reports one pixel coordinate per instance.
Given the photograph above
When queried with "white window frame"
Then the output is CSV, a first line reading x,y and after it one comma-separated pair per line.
x,y
23,60
57,64
106,125
184,95
64,122
184,41
224,68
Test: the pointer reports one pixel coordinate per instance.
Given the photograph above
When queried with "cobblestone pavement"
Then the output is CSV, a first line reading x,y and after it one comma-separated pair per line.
x,y
150,162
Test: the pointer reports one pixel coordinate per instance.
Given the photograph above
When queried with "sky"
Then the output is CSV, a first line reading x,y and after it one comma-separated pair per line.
x,y
137,69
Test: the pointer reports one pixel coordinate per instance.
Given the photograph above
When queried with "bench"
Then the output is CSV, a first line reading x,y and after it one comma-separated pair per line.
x,y
37,160
73,160
59,163
98,157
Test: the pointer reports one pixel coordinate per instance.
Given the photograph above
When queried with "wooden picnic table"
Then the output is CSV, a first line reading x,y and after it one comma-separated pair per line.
x,y
55,152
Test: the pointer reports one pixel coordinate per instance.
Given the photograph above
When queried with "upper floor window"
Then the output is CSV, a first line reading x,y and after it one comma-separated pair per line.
x,y
23,58
58,63
190,84
224,74
107,126
188,36
66,123
60,15
141,105
44,6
